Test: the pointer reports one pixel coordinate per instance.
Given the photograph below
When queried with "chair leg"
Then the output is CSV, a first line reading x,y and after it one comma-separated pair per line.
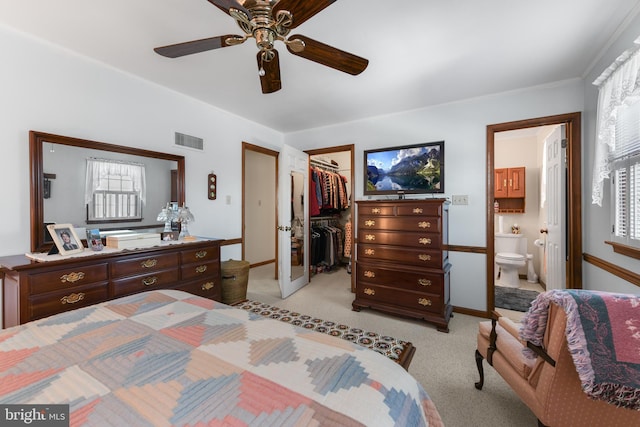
x,y
479,360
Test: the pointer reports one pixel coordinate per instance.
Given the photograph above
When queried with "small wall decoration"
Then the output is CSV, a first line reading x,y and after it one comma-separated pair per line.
x,y
65,238
212,186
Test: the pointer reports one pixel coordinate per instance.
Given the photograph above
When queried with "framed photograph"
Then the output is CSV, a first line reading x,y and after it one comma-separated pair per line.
x,y
65,238
94,241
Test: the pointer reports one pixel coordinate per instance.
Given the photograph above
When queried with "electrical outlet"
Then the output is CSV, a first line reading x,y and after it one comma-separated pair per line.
x,y
460,200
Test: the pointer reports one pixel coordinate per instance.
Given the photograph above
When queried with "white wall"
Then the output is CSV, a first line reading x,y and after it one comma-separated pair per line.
x,y
462,126
48,89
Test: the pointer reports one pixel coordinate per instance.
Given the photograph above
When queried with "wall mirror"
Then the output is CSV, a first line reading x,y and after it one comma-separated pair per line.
x,y
58,166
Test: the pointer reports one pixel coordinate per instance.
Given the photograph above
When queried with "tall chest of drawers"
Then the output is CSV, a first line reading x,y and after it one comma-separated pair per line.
x,y
33,290
402,264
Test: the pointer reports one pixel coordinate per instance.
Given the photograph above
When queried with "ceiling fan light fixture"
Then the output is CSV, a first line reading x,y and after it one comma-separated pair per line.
x,y
264,37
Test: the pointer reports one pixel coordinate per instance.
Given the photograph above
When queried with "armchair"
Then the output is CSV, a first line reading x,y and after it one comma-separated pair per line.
x,y
548,384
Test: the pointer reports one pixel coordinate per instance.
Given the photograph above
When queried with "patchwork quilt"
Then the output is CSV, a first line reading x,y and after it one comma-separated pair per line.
x,y
603,337
169,358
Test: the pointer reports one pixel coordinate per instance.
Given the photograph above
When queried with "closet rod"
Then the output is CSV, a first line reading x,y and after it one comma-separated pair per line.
x,y
324,164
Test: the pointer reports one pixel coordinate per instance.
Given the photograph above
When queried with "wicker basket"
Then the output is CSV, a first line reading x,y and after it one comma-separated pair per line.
x,y
235,277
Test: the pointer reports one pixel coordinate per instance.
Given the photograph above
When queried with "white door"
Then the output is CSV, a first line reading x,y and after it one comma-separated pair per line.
x,y
293,217
556,249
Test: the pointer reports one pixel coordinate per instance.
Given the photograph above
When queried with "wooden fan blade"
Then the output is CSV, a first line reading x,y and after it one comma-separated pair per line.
x,y
301,10
270,82
330,56
195,46
225,5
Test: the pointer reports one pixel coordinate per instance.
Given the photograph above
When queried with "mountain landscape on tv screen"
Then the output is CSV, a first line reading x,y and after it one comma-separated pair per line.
x,y
417,172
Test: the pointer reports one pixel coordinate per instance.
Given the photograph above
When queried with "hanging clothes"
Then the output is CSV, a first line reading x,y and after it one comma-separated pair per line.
x,y
327,245
330,189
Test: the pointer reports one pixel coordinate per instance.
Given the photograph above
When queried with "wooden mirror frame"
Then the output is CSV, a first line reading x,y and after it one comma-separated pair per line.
x,y
36,144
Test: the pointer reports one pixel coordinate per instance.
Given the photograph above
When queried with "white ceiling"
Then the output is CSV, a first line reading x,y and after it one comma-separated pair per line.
x,y
420,52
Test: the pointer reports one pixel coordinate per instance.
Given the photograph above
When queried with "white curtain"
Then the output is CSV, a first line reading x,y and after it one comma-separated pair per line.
x,y
99,169
619,85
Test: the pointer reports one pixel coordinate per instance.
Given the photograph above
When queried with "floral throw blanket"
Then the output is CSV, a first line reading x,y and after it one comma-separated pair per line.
x,y
603,337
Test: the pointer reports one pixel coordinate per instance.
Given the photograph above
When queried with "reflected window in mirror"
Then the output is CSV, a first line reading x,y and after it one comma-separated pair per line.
x,y
114,190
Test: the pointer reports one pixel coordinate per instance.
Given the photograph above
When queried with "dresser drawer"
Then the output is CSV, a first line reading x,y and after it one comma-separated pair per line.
x,y
199,255
416,240
205,269
416,301
417,209
143,265
428,258
67,278
426,281
206,287
378,210
69,299
145,282
423,224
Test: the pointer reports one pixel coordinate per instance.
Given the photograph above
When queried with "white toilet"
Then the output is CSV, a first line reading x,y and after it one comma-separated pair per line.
x,y
510,256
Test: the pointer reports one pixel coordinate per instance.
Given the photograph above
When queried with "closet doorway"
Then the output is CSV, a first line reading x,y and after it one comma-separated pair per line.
x,y
573,256
341,160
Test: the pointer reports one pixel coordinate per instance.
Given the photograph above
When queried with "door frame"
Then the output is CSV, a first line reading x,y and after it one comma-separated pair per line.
x,y
572,121
251,147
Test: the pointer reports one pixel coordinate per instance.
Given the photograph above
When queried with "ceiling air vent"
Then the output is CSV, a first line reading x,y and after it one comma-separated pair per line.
x,y
189,141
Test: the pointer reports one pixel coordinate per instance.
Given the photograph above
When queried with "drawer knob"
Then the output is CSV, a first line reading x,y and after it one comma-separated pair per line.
x,y
424,224
375,210
424,241
370,237
72,299
148,281
148,263
369,251
369,223
424,257
417,210
201,269
208,286
369,274
424,282
201,254
72,277
369,291
424,301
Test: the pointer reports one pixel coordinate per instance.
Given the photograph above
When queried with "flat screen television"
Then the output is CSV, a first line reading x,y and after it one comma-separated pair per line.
x,y
407,169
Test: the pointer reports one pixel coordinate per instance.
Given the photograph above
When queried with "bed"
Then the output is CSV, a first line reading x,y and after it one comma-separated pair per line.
x,y
167,357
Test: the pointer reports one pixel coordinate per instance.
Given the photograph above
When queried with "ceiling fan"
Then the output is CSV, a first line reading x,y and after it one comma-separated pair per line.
x,y
268,21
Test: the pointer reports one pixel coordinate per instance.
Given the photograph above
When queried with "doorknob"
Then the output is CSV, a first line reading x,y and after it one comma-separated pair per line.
x,y
284,228
544,230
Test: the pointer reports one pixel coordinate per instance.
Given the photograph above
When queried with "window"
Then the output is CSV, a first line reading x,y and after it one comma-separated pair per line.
x,y
625,182
115,191
617,149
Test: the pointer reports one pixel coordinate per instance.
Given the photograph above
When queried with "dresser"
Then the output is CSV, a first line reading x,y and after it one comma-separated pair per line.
x,y
402,264
33,290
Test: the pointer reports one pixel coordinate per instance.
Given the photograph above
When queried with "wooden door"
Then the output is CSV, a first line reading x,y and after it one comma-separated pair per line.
x,y
516,182
501,183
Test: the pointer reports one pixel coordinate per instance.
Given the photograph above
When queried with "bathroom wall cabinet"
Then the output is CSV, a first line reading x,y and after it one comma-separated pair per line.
x,y
402,264
509,189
